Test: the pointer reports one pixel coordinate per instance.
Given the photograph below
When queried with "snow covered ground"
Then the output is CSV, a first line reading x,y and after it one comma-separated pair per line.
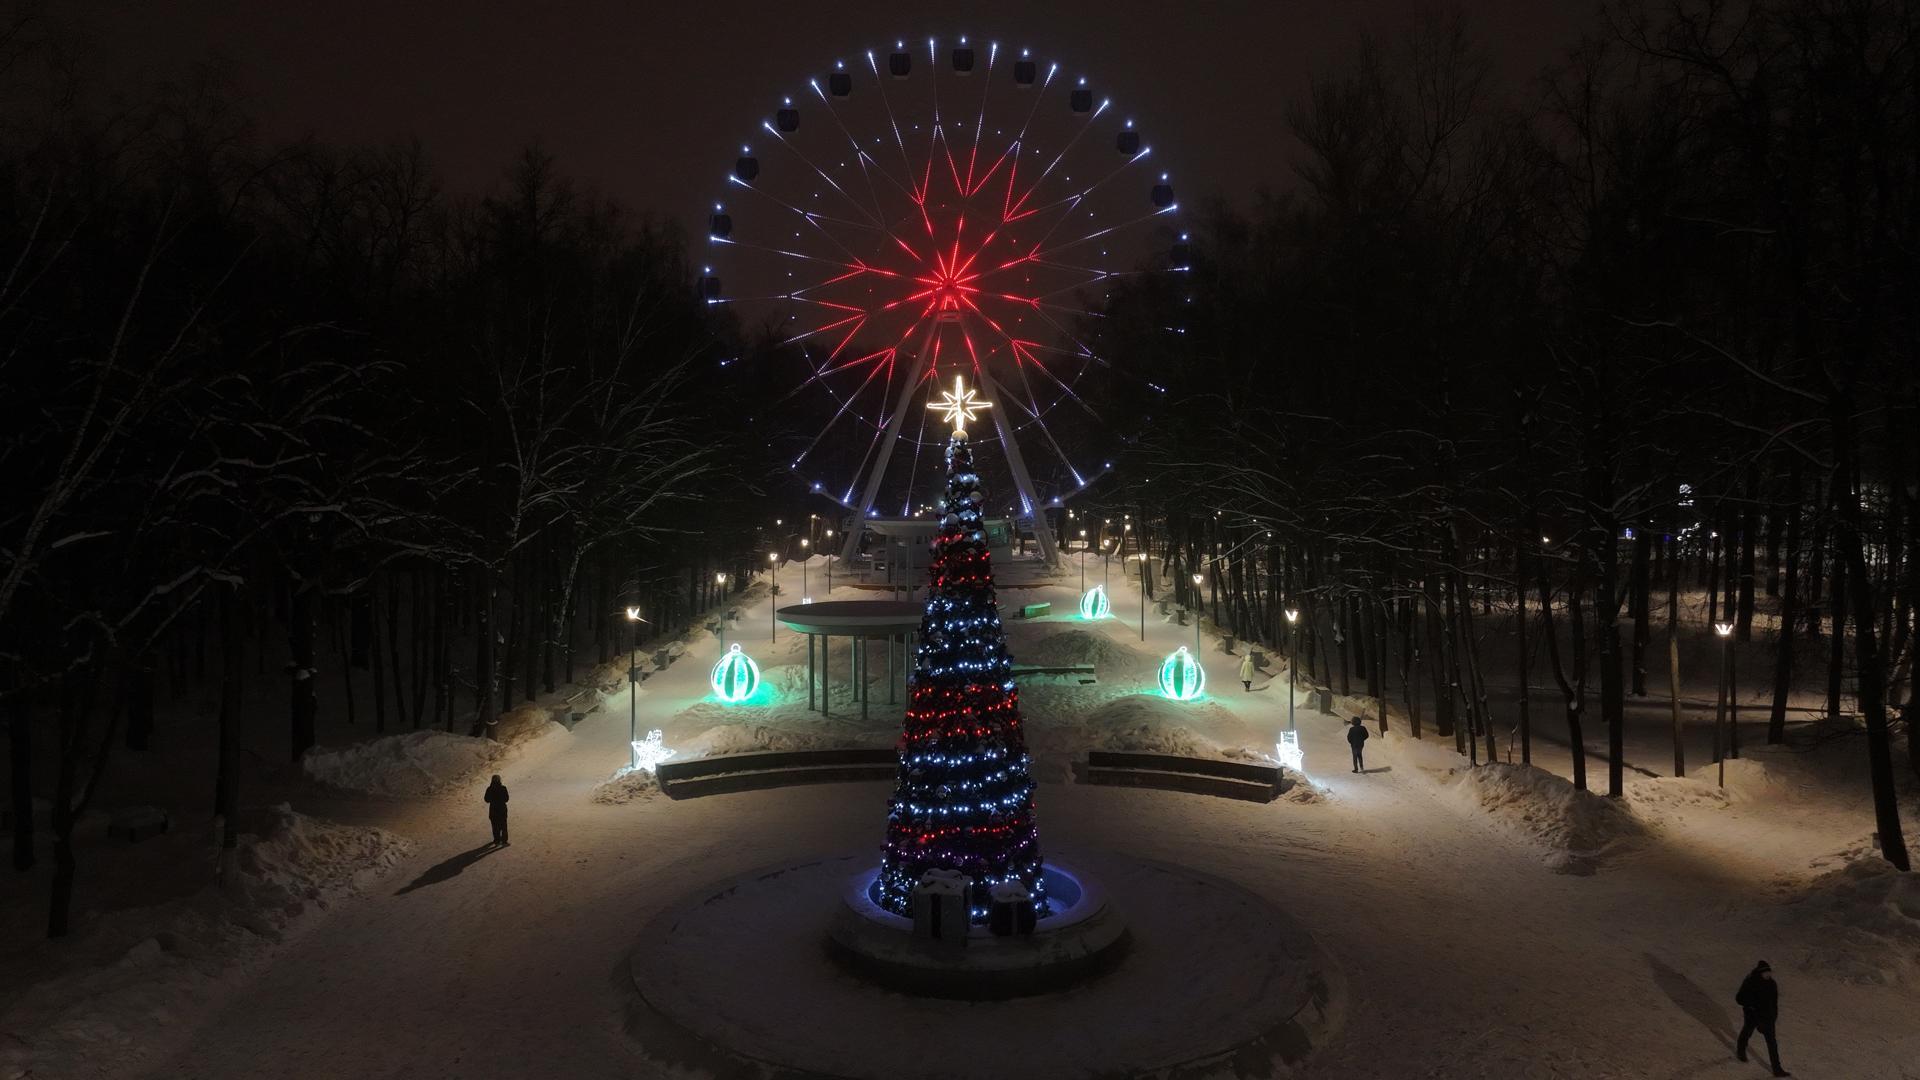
x,y
1490,923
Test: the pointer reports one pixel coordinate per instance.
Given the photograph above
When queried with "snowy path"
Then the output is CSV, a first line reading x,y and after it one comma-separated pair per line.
x,y
1462,954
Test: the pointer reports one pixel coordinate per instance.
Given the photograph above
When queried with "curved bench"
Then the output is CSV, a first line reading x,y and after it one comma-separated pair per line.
x,y
1197,776
724,773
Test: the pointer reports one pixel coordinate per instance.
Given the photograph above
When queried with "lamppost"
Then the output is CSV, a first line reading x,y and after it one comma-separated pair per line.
x,y
1083,562
1143,592
1197,579
829,564
720,582
773,594
1727,679
1293,661
804,558
1106,563
633,686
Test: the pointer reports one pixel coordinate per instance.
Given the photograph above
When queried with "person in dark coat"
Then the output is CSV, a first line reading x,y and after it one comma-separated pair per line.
x,y
496,798
1357,738
1759,999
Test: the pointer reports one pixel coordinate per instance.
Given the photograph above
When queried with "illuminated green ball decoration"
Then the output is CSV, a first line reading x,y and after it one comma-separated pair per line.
x,y
735,677
1094,604
1181,676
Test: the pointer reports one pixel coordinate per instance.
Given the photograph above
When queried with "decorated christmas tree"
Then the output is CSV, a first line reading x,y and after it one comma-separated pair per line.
x,y
964,797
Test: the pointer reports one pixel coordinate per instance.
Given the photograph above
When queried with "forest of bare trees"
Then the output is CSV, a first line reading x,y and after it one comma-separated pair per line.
x,y
293,414
1534,360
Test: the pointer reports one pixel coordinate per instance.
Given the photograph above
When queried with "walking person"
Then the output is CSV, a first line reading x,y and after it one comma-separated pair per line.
x,y
1246,670
1357,737
496,799
1759,999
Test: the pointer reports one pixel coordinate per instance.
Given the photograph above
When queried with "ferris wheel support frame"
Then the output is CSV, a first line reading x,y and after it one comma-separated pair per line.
x,y
1016,463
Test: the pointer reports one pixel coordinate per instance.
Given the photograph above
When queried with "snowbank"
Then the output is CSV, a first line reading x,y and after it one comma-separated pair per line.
x,y
1081,647
417,763
1149,723
626,787
1577,828
1864,918
424,762
162,964
754,738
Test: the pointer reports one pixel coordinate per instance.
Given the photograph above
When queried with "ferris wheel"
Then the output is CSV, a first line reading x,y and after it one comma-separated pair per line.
x,y
917,213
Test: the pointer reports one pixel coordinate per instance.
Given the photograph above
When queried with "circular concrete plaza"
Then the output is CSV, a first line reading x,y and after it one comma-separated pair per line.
x,y
739,979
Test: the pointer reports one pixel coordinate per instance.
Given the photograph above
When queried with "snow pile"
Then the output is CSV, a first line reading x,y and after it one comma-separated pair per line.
x,y
626,786
157,967
1578,828
1148,723
1079,647
303,860
737,738
1864,918
417,763
525,723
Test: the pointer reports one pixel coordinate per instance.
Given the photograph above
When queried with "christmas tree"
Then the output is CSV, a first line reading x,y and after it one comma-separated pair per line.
x,y
964,797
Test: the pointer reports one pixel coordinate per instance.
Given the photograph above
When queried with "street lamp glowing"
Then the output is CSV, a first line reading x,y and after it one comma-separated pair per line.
x,y
1293,614
633,614
719,579
1724,629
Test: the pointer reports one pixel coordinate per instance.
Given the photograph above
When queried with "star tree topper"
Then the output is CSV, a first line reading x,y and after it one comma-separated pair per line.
x,y
959,405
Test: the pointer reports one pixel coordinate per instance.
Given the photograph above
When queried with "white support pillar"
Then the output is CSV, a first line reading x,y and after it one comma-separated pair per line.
x,y
1017,465
892,439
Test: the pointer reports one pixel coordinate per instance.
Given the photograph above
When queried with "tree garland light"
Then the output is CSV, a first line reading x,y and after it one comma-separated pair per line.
x,y
1181,676
963,798
735,677
1094,603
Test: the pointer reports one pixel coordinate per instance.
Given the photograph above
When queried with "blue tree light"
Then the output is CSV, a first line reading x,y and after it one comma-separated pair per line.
x,y
1181,676
735,677
1094,604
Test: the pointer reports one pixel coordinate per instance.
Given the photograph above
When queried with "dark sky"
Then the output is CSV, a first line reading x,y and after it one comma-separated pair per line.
x,y
646,100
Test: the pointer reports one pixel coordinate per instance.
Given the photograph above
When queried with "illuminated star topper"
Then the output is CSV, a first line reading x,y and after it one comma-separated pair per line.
x,y
958,405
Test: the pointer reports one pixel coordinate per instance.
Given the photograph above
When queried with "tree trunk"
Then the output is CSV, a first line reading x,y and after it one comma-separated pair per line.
x,y
378,658
483,715
1639,581
1789,614
226,784
20,779
1837,641
303,706
139,702
1749,524
1673,662
393,651
1520,643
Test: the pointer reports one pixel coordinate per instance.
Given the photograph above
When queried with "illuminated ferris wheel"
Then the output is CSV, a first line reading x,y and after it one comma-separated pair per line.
x,y
919,213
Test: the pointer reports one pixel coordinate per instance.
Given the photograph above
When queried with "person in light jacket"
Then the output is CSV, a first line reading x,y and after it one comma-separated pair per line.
x,y
1246,671
496,799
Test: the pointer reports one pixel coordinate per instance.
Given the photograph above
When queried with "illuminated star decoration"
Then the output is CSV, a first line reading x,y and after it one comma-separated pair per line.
x,y
648,753
958,405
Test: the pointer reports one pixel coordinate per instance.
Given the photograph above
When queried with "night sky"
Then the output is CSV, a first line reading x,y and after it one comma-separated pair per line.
x,y
645,101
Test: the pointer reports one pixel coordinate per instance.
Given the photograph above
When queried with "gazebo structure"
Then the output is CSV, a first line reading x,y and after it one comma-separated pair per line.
x,y
893,622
